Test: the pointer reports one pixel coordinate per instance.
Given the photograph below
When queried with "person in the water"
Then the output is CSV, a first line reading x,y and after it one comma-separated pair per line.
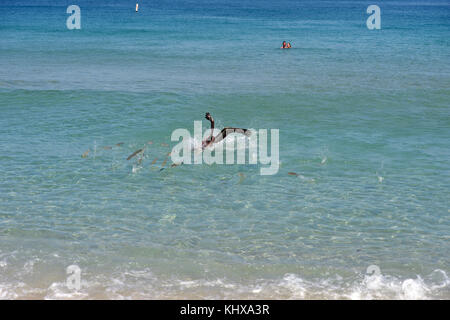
x,y
286,45
222,135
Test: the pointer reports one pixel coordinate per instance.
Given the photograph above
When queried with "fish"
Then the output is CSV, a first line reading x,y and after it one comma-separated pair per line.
x,y
85,154
107,148
164,144
119,144
302,177
165,160
154,161
134,153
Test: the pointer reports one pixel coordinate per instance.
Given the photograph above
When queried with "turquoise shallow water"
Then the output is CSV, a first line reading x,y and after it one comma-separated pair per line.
x,y
364,121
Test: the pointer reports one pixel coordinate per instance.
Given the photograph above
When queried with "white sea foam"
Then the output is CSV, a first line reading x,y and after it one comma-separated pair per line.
x,y
143,284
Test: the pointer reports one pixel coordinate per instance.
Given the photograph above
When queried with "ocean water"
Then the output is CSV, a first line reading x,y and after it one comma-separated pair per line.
x,y
364,120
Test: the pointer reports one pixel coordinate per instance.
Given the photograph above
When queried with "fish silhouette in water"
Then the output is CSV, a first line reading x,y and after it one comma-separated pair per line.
x,y
119,144
85,154
302,177
165,160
